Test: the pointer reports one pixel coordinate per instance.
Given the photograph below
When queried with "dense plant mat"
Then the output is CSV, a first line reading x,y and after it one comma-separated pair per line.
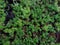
x,y
29,22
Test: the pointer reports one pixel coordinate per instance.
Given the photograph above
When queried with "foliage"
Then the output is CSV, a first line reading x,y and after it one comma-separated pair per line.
x,y
33,23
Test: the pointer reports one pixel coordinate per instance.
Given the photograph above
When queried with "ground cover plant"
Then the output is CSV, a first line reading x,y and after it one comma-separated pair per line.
x,y
29,22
